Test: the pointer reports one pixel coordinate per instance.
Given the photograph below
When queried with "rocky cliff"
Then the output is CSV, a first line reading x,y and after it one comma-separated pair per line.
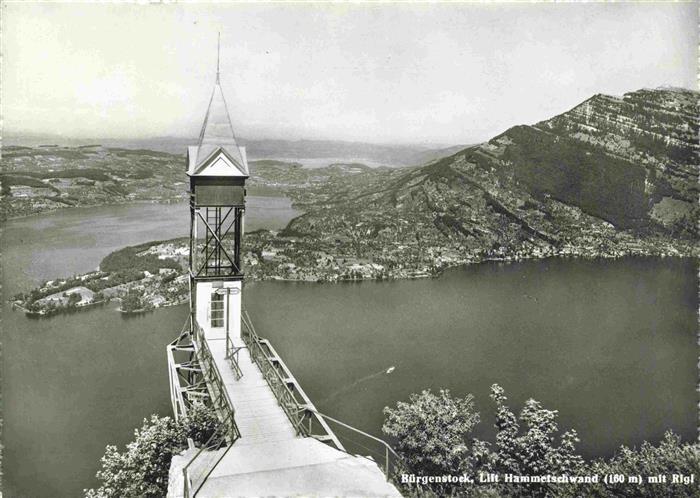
x,y
651,135
631,161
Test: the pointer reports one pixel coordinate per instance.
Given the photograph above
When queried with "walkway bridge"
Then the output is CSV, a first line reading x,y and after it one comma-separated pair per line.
x,y
272,441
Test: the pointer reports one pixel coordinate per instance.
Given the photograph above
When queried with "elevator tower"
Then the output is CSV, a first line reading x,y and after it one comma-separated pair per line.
x,y
217,168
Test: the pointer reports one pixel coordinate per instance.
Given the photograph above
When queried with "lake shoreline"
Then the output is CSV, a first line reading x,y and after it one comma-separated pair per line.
x,y
65,209
183,299
255,192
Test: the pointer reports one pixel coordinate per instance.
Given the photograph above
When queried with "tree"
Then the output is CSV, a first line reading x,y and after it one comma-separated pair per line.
x,y
168,277
132,301
431,432
536,451
142,469
686,225
73,299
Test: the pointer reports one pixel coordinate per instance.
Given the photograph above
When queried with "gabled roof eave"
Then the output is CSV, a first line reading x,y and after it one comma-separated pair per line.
x,y
211,157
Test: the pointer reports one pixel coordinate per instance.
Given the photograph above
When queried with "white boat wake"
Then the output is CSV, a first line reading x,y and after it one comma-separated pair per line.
x,y
356,383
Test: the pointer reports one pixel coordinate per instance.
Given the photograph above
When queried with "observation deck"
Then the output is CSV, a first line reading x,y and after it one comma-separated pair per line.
x,y
271,440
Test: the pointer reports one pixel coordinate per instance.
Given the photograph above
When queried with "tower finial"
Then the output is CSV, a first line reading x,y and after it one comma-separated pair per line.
x,y
218,51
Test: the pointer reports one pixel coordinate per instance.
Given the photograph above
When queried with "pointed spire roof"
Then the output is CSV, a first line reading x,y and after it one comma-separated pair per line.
x,y
217,132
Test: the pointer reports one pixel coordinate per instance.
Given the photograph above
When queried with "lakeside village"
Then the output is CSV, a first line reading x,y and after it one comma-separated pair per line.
x,y
151,283
151,275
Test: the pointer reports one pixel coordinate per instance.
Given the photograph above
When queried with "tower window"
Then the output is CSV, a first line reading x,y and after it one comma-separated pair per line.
x,y
217,310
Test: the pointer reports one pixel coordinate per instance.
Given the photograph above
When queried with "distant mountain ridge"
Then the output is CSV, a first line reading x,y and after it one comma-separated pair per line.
x,y
257,149
604,175
615,158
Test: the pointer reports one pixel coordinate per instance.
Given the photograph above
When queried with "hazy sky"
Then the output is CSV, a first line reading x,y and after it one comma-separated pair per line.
x,y
427,73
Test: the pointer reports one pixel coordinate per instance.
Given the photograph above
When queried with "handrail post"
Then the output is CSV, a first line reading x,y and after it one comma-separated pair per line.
x,y
386,468
186,492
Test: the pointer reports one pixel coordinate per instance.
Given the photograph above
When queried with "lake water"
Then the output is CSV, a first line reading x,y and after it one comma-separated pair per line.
x,y
610,344
322,162
75,240
74,383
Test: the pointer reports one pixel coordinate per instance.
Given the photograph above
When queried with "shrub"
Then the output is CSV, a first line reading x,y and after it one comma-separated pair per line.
x,y
200,424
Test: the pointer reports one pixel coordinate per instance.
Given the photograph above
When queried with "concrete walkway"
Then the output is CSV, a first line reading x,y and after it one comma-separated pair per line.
x,y
259,417
270,459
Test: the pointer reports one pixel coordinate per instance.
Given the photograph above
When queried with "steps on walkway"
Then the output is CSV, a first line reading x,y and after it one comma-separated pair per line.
x,y
297,467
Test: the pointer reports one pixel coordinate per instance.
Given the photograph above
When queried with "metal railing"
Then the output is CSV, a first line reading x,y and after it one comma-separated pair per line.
x,y
217,390
393,463
304,416
205,460
290,396
177,399
232,357
198,469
